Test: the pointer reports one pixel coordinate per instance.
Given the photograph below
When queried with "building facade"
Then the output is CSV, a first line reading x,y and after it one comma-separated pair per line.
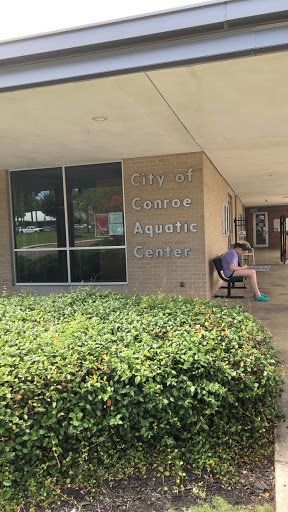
x,y
144,225
145,201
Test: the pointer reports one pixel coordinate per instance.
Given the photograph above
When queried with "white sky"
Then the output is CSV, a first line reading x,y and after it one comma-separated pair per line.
x,y
26,17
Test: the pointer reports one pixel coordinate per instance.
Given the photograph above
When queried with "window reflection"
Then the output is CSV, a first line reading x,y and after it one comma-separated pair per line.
x,y
101,265
38,208
41,266
95,205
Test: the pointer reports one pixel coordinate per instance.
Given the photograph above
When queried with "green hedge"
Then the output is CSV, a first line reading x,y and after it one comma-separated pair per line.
x,y
99,385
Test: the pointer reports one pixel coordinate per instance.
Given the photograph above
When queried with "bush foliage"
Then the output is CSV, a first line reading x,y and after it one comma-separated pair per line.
x,y
100,385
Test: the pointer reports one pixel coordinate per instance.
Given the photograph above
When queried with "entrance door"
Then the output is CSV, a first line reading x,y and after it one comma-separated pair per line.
x,y
283,230
260,229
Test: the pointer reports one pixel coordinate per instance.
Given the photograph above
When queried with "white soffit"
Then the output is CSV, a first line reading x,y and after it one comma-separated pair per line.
x,y
53,125
237,112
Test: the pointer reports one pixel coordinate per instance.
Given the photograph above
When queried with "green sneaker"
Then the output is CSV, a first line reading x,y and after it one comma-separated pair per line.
x,y
261,299
263,295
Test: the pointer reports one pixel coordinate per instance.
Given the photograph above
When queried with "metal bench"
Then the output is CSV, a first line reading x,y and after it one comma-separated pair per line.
x,y
229,280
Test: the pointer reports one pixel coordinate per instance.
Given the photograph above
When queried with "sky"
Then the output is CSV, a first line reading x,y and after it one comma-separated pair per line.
x,y
29,17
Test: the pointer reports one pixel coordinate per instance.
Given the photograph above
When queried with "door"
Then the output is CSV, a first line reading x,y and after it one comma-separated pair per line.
x,y
283,231
260,229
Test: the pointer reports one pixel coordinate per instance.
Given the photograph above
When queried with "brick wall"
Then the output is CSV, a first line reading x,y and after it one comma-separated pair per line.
x,y
148,275
216,191
5,230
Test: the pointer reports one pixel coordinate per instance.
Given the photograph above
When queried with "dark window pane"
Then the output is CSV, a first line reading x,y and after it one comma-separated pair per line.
x,y
38,208
41,267
103,265
95,205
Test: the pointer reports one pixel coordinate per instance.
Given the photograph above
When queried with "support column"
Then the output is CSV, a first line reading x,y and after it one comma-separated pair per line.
x,y
6,253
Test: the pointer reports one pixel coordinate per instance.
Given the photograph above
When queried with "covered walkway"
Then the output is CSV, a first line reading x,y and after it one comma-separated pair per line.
x,y
273,315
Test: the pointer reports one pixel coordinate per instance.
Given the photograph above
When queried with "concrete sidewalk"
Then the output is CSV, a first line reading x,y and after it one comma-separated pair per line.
x,y
274,315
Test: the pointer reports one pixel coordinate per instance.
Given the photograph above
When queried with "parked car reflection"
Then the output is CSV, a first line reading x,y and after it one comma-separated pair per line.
x,y
31,229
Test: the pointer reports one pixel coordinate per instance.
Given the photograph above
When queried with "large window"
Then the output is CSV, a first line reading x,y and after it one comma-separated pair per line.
x,y
69,224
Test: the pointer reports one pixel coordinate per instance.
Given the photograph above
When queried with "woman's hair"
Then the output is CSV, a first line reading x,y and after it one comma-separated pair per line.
x,y
244,247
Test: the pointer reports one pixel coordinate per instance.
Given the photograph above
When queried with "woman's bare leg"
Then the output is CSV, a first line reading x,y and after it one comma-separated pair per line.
x,y
253,279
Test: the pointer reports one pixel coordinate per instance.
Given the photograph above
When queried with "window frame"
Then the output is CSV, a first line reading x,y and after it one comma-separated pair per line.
x,y
225,220
68,248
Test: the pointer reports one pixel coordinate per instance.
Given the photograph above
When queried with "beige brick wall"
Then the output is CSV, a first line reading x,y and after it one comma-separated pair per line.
x,y
6,272
149,275
216,191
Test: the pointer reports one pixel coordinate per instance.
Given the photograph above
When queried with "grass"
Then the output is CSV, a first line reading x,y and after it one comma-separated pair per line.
x,y
49,237
30,239
220,505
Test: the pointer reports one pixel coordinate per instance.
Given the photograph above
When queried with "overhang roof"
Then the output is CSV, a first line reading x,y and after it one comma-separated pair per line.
x,y
206,78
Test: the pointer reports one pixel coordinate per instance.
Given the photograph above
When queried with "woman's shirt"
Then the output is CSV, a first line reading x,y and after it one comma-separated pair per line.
x,y
229,257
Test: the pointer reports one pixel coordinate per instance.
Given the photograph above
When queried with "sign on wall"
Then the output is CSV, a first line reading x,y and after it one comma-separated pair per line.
x,y
108,224
163,203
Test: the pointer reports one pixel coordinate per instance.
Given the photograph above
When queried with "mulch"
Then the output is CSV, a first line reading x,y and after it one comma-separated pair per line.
x,y
139,494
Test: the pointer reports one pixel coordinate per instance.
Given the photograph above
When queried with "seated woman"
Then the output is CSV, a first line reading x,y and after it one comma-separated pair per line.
x,y
230,266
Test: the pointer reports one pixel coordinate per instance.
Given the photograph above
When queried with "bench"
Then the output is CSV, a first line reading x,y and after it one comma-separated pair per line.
x,y
229,280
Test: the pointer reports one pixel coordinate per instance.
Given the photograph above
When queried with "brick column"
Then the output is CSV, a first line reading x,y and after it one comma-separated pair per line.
x,y
6,253
165,225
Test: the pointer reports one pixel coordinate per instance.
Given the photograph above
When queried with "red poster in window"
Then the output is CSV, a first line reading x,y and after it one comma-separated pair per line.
x,y
101,225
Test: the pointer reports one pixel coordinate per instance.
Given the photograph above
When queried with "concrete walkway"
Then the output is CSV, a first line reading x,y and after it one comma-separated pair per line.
x,y
274,315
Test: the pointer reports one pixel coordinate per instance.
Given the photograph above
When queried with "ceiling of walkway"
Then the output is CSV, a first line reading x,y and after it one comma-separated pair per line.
x,y
236,111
